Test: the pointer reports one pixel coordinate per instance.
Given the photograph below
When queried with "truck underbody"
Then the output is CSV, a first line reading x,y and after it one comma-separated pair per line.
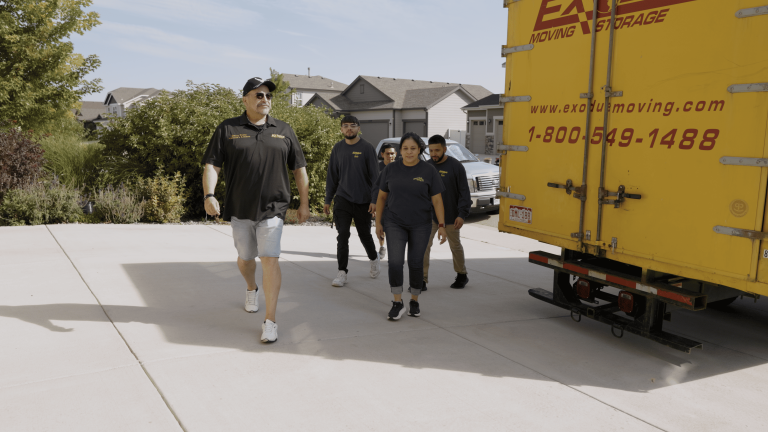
x,y
644,301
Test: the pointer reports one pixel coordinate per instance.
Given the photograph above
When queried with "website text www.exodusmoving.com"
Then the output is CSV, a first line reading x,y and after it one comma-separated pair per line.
x,y
649,107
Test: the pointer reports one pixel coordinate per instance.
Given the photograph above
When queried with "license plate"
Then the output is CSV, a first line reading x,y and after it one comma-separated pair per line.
x,y
520,214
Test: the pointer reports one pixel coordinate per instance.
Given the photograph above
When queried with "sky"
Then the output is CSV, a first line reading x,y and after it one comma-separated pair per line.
x,y
165,43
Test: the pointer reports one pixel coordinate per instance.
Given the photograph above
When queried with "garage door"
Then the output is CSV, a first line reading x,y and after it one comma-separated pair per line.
x,y
374,131
417,127
477,136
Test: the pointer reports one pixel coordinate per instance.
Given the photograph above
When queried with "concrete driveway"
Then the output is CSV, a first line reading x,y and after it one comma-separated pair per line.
x,y
142,328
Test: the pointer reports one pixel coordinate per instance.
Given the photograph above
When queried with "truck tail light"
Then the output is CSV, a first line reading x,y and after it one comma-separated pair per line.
x,y
583,289
626,302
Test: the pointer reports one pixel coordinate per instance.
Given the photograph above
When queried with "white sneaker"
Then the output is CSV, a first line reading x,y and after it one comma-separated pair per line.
x,y
375,267
382,252
252,300
340,280
268,331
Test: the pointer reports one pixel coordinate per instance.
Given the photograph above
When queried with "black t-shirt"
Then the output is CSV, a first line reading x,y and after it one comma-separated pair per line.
x,y
457,200
254,160
352,172
410,189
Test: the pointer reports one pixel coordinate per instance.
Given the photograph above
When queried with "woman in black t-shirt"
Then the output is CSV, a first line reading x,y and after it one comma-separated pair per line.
x,y
408,190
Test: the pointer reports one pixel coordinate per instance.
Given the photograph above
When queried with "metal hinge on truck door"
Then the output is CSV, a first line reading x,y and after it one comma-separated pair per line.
x,y
620,196
579,192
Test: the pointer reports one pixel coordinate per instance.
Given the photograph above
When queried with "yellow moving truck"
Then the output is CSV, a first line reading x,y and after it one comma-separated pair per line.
x,y
636,139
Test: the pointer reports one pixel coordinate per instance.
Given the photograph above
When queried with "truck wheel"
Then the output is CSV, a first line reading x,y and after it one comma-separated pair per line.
x,y
722,304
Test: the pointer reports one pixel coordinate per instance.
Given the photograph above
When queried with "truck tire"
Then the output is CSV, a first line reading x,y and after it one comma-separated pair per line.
x,y
722,304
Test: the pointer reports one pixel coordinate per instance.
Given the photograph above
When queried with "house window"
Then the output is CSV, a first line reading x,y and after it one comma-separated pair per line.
x,y
362,88
501,122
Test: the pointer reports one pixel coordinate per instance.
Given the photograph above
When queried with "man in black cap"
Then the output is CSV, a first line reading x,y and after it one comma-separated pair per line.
x,y
352,170
254,150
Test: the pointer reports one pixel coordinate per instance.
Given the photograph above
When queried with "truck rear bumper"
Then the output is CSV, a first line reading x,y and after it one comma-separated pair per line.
x,y
646,320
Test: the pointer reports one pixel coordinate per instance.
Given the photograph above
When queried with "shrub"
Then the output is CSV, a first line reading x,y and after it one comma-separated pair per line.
x,y
169,132
118,206
71,158
41,203
21,158
164,197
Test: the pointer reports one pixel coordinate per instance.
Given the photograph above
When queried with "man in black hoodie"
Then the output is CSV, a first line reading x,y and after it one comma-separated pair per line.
x,y
456,201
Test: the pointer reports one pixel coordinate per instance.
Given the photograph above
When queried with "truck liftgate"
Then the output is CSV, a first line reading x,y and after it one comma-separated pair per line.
x,y
645,303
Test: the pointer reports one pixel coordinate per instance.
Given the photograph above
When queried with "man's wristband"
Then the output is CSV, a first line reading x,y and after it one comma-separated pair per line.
x,y
441,225
208,196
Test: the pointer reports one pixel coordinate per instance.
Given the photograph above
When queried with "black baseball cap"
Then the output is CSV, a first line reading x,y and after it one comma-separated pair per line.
x,y
257,82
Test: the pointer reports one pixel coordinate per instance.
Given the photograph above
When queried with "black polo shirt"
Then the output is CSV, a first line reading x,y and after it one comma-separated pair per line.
x,y
254,160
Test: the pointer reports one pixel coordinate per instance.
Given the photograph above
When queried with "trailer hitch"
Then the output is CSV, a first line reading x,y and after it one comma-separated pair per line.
x,y
579,192
620,196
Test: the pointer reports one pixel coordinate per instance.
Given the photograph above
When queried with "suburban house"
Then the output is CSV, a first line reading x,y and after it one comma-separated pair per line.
x,y
120,100
91,114
305,86
485,123
390,107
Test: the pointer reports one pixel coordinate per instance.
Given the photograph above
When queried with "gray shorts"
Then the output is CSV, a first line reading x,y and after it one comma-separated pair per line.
x,y
254,239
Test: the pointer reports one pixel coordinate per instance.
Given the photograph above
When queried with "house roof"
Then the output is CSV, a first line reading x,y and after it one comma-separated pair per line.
x,y
317,83
492,100
90,111
402,94
126,94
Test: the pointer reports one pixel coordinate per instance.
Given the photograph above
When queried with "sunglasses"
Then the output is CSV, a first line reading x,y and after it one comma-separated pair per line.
x,y
261,96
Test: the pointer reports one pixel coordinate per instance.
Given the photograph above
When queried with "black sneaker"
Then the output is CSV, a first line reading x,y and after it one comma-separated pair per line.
x,y
397,311
413,308
461,281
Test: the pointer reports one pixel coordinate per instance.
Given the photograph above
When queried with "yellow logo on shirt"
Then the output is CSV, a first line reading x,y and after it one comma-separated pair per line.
x,y
419,179
357,154
443,173
278,136
239,136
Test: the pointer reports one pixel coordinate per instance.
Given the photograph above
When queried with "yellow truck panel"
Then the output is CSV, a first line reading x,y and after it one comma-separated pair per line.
x,y
686,137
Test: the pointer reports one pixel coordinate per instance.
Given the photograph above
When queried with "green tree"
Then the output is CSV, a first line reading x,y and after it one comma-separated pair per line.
x,y
281,89
41,78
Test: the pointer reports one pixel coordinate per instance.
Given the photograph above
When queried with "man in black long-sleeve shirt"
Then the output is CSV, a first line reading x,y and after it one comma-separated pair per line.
x,y
352,171
456,201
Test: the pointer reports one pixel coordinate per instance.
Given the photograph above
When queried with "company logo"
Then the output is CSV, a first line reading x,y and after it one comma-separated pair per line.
x,y
739,208
559,19
233,137
419,179
278,136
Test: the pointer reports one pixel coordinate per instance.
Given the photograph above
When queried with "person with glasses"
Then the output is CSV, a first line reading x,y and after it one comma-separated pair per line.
x,y
254,150
408,191
388,155
352,171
